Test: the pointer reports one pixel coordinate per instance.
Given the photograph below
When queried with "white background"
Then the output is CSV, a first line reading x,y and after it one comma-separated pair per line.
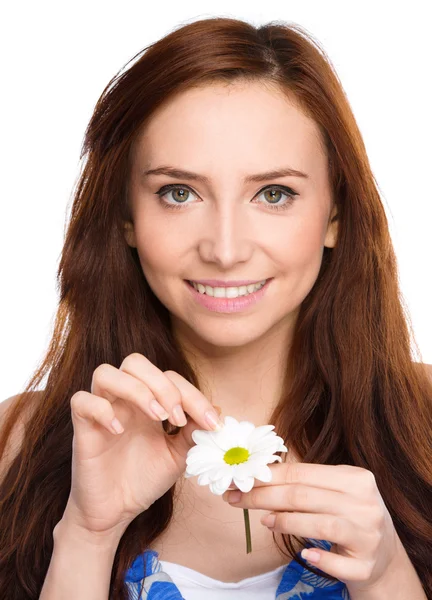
x,y
56,59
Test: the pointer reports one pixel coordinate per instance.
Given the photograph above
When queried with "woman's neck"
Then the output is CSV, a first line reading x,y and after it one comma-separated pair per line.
x,y
246,382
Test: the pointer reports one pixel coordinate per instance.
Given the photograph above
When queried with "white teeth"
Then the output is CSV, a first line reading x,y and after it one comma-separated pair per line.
x,y
228,292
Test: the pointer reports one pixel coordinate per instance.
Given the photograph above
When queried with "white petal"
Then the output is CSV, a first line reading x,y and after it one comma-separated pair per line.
x,y
245,430
220,472
221,486
230,421
204,455
234,434
259,456
263,473
200,448
243,470
227,442
233,428
204,458
226,439
280,441
268,441
204,478
262,458
199,468
205,438
266,445
245,485
259,433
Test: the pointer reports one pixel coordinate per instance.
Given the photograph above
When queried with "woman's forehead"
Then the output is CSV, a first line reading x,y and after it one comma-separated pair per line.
x,y
247,131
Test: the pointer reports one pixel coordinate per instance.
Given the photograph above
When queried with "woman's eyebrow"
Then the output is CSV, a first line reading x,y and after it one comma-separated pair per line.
x,y
177,173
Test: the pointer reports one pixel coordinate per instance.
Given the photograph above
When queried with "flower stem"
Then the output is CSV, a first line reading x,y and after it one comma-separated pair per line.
x,y
248,532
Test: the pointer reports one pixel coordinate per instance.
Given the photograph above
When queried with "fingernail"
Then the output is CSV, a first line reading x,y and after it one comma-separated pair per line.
x,y
117,426
269,520
310,555
159,411
213,420
179,416
234,496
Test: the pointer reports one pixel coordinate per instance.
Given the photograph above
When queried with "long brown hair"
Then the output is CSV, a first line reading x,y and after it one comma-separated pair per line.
x,y
353,394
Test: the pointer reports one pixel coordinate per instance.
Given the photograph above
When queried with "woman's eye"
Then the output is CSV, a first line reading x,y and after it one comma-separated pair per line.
x,y
183,194
183,191
280,190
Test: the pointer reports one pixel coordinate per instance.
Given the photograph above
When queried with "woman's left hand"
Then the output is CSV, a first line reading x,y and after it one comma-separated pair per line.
x,y
337,503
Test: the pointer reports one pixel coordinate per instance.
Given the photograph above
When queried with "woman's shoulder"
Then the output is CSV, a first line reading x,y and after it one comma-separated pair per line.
x,y
15,439
9,403
427,367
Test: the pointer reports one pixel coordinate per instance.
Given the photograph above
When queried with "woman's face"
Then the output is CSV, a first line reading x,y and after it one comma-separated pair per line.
x,y
225,227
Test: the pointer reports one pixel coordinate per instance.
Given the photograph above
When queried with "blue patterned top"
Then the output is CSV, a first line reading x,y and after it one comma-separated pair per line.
x,y
297,583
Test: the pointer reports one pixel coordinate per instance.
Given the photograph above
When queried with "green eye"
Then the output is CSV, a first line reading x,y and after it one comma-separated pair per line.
x,y
166,189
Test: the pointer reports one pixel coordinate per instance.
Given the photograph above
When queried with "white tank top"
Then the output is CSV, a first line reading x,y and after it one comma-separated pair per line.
x,y
196,586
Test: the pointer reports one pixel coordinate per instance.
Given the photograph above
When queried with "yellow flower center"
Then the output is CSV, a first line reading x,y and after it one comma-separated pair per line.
x,y
236,455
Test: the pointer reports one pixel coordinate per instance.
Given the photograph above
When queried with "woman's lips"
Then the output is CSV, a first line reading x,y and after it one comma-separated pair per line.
x,y
228,305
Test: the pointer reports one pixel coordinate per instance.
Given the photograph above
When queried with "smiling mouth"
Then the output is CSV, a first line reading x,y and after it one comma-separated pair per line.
x,y
227,291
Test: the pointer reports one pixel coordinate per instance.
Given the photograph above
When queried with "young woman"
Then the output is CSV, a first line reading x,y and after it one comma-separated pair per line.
x,y
226,156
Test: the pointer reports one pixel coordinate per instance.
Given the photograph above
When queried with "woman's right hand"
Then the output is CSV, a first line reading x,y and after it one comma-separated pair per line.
x,y
115,477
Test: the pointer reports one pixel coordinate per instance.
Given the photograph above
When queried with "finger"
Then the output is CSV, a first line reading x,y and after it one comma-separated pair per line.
x,y
311,526
344,568
112,384
297,497
195,403
165,399
339,478
91,410
340,532
145,386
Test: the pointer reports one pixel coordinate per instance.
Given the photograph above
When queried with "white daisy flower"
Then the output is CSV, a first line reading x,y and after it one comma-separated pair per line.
x,y
238,453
